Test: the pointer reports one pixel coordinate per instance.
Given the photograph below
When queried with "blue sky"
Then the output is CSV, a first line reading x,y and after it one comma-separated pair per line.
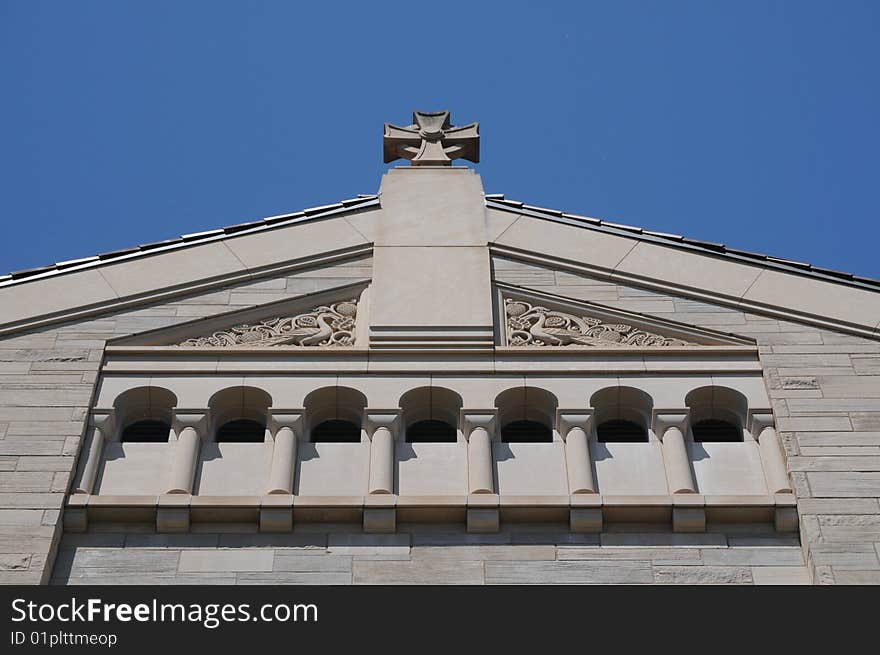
x,y
749,123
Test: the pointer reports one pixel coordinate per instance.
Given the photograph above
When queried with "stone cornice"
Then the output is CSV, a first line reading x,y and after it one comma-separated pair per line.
x,y
199,286
869,330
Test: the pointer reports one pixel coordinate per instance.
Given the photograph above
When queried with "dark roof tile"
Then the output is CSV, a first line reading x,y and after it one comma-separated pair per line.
x,y
158,244
116,253
28,272
311,211
585,219
789,262
232,229
620,226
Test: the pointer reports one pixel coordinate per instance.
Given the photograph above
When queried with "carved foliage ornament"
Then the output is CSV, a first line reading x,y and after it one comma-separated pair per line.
x,y
533,325
327,326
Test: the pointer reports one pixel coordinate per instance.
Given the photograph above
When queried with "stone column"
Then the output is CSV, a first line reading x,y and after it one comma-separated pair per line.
x,y
102,424
287,424
188,425
478,426
669,426
575,425
772,459
382,425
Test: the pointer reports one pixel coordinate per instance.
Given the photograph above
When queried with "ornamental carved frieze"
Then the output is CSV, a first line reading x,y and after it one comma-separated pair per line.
x,y
324,326
533,325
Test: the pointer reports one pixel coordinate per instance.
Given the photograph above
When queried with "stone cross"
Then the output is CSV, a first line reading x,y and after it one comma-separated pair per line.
x,y
432,141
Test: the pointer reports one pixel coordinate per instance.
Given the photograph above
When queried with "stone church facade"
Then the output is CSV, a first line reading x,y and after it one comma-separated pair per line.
x,y
436,385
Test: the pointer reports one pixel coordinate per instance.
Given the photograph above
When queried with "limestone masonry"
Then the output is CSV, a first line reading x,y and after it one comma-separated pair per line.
x,y
435,385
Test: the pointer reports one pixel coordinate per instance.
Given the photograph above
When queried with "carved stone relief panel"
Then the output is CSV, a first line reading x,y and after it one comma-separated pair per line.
x,y
324,326
534,325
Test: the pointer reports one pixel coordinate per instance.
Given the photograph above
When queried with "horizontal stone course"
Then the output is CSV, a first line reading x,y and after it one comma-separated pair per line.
x,y
844,484
569,572
288,561
211,561
780,575
485,552
766,556
411,572
703,575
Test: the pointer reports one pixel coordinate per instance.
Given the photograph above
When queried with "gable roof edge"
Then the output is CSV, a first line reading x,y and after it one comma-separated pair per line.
x,y
495,201
866,330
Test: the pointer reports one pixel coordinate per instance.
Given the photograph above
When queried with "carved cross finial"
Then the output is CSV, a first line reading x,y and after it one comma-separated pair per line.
x,y
432,141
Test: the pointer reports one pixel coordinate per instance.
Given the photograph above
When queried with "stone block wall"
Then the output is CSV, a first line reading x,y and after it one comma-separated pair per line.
x,y
825,389
47,378
429,554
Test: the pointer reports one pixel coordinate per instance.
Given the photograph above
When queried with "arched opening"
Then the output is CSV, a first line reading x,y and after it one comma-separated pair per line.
x,y
335,414
134,459
526,432
144,414
241,431
239,414
711,429
622,414
146,431
526,415
430,415
336,431
429,431
621,431
717,414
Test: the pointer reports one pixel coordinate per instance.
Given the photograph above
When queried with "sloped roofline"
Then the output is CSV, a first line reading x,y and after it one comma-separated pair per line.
x,y
499,202
188,240
493,201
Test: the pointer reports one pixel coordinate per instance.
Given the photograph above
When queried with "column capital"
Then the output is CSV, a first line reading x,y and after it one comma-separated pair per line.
x,y
566,419
663,419
286,418
758,419
189,418
478,418
382,418
103,418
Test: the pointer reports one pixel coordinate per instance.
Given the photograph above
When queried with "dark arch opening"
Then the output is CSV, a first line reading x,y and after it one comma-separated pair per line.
x,y
241,431
336,431
146,431
429,431
715,430
525,432
621,431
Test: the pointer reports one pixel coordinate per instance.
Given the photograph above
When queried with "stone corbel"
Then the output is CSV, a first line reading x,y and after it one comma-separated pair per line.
x,y
382,427
478,426
575,426
473,419
670,426
102,425
762,427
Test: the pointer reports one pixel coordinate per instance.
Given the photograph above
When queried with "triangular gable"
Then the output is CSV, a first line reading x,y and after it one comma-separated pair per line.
x,y
331,318
528,318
